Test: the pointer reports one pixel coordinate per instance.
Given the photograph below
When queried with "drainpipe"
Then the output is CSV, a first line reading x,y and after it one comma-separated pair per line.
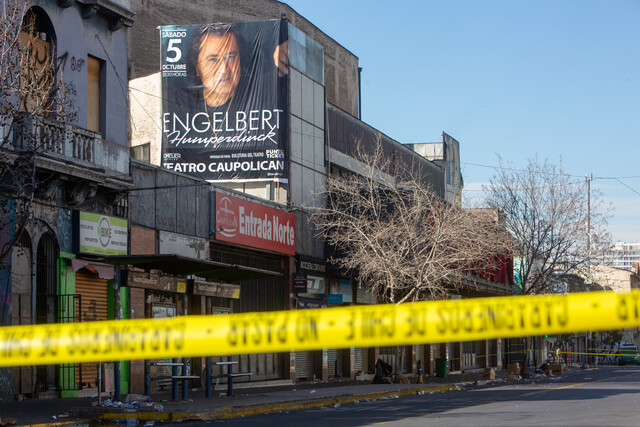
x,y
360,93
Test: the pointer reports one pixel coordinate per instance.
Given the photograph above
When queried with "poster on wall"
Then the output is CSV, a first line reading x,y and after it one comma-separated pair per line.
x,y
224,100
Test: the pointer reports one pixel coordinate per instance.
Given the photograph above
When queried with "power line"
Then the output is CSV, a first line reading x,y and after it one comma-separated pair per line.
x,y
523,170
635,191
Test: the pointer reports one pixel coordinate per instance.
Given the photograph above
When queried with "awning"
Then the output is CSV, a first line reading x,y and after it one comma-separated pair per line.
x,y
181,265
104,271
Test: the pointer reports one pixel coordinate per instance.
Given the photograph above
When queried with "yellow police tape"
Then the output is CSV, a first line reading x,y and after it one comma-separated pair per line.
x,y
309,329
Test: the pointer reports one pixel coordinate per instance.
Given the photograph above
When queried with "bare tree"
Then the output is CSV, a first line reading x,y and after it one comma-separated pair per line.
x,y
30,87
547,212
400,239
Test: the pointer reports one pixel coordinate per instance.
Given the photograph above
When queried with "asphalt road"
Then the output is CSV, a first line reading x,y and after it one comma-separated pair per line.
x,y
604,397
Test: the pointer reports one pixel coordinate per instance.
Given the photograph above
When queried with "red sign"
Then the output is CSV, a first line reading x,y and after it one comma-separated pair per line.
x,y
251,224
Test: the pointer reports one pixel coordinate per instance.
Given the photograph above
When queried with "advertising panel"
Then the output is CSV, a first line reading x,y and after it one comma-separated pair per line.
x,y
299,284
224,100
180,244
100,234
250,224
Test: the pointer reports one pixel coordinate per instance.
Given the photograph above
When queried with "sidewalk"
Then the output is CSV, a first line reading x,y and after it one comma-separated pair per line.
x,y
252,400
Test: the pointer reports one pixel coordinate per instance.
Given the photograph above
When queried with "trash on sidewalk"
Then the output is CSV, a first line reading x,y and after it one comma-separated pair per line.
x,y
137,397
557,368
8,421
489,374
383,373
513,368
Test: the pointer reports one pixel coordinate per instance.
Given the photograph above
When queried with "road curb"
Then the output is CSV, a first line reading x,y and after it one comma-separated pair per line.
x,y
260,409
57,423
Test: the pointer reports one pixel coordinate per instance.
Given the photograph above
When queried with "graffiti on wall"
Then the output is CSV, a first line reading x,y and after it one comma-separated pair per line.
x,y
64,230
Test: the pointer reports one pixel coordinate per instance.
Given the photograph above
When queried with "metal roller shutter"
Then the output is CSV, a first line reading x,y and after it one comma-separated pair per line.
x,y
94,297
358,359
304,365
332,356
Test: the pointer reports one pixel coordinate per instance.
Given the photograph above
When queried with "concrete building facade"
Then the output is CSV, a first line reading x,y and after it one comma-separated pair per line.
x,y
82,166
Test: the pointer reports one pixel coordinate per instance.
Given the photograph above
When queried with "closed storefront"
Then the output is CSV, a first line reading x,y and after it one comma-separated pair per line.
x,y
304,365
361,360
93,292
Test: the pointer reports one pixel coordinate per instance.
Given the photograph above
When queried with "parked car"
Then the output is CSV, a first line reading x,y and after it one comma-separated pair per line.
x,y
628,354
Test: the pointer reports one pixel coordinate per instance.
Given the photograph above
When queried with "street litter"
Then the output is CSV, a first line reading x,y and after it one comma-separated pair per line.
x,y
8,421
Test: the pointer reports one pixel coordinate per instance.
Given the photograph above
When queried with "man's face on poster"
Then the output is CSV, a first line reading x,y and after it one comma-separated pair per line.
x,y
219,67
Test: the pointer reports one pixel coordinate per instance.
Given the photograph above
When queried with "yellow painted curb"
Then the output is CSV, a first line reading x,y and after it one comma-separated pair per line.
x,y
236,412
56,424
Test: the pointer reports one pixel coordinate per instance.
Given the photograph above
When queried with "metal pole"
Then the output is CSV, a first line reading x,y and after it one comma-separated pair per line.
x,y
588,244
99,383
229,377
588,227
117,316
208,376
174,381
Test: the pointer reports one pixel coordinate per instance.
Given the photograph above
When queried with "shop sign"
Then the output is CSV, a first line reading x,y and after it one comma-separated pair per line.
x,y
100,234
299,282
312,266
155,281
223,290
251,224
311,303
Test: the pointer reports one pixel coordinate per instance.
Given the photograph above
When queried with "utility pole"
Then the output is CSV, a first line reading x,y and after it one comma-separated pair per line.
x,y
589,280
589,228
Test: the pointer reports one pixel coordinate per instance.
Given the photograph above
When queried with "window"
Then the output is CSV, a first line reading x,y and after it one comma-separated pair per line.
x,y
141,152
95,94
36,73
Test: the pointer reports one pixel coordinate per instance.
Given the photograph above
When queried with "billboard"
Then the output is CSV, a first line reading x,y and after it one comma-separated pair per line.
x,y
224,100
251,224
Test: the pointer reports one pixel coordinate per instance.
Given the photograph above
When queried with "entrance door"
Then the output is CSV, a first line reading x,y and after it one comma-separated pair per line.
x,y
46,299
21,314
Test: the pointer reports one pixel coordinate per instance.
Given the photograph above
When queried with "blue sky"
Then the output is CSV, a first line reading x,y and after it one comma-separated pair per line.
x,y
557,79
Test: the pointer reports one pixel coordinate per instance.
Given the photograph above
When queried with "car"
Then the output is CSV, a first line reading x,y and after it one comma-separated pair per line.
x,y
628,354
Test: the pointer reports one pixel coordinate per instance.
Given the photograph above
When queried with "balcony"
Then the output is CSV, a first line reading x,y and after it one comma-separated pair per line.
x,y
75,147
